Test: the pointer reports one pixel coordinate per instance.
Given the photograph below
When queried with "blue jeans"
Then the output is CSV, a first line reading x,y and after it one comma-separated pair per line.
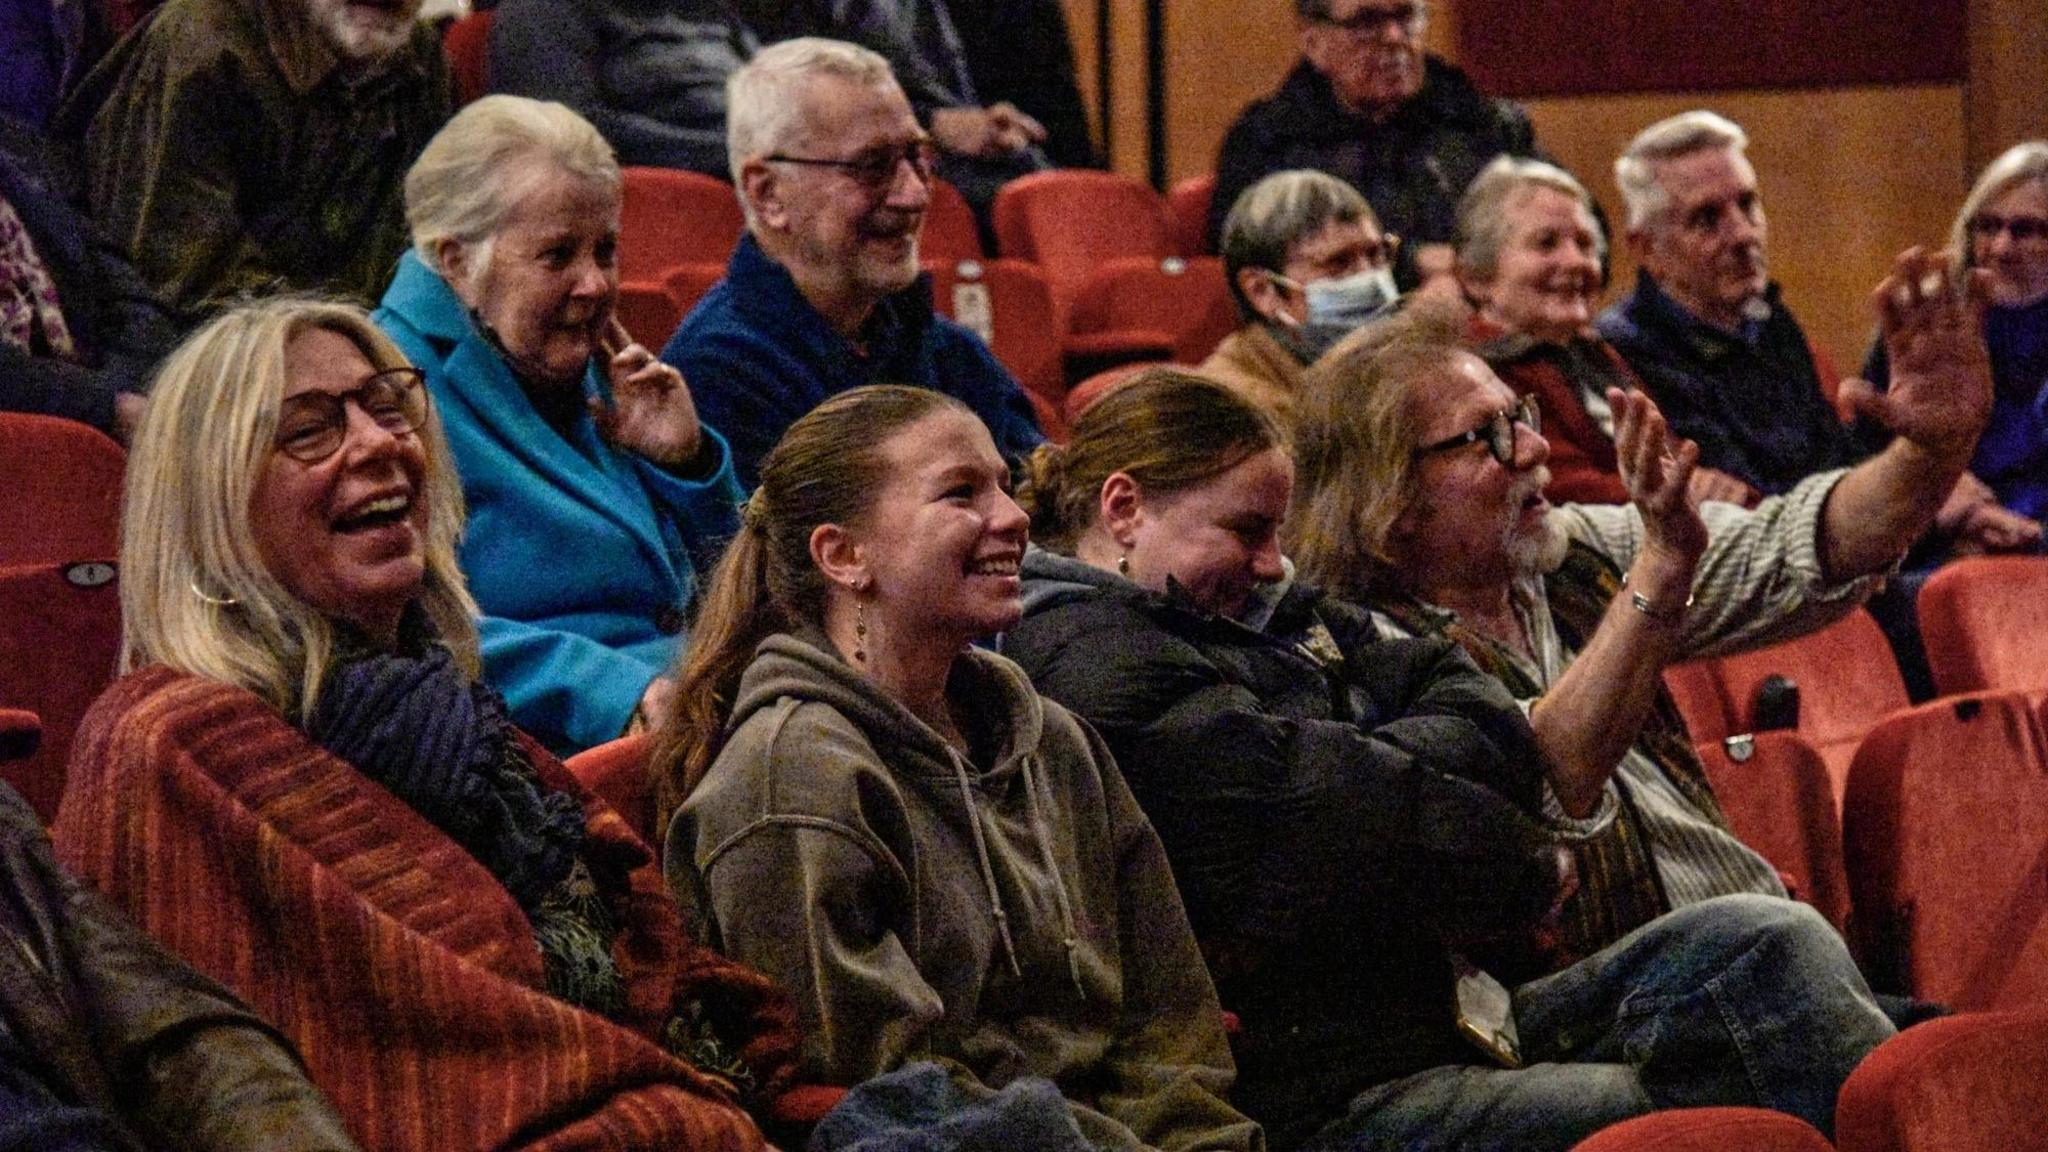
x,y
1736,1000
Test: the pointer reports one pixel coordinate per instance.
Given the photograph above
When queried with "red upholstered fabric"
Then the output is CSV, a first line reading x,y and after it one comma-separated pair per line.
x,y
402,970
1969,1083
1069,221
1847,678
617,771
687,284
1010,305
1708,1130
1945,835
949,233
1695,686
467,46
1188,202
669,217
1099,385
1185,300
1776,794
60,490
1984,621
649,312
60,638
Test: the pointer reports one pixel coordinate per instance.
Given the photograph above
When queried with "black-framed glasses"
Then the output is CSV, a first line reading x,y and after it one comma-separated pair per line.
x,y
311,426
1368,21
1498,433
1987,226
875,169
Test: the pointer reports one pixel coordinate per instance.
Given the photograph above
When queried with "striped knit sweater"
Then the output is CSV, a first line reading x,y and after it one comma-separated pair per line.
x,y
402,970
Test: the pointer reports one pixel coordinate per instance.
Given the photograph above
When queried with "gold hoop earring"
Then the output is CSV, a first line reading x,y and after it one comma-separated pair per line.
x,y
216,601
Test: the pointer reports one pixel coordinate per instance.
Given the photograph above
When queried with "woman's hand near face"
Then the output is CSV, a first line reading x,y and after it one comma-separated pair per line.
x,y
651,413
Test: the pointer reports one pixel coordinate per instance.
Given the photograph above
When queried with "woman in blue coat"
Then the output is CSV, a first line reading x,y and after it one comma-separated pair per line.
x,y
594,494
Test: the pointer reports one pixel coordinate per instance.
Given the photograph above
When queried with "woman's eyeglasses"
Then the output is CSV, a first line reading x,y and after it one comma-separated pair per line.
x,y
1498,433
2024,229
312,425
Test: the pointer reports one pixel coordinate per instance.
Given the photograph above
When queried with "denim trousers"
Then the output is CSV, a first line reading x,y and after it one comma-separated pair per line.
x,y
1745,999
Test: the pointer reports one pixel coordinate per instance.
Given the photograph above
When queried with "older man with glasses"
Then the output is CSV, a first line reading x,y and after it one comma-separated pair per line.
x,y
1368,105
834,175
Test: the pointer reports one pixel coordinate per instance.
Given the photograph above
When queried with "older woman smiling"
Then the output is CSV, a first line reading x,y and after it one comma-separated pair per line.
x,y
594,493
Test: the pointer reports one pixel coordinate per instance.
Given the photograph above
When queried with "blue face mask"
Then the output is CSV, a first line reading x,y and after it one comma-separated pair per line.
x,y
1336,308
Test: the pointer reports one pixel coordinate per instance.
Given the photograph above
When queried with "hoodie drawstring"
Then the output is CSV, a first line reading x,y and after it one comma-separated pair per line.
x,y
988,872
1070,939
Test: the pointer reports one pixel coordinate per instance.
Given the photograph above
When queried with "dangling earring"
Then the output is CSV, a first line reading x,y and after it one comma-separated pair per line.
x,y
1123,565
860,633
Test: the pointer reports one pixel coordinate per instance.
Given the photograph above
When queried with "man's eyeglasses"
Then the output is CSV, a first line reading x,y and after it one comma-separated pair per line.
x,y
312,425
1498,433
1368,21
875,169
1986,226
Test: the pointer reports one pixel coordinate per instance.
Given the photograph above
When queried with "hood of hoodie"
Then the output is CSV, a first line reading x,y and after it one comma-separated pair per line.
x,y
999,711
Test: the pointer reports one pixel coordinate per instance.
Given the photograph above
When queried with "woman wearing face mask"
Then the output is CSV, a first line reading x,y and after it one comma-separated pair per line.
x,y
594,494
2003,229
1307,263
1529,259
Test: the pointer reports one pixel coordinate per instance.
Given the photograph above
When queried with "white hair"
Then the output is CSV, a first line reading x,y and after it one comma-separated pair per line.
x,y
1635,172
764,106
1483,210
2025,161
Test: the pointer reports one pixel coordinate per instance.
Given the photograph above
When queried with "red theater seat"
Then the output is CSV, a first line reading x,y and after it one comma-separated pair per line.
x,y
60,638
1009,305
1775,791
617,772
1970,1083
648,312
1188,203
950,233
466,43
1984,621
1708,1130
669,217
1070,221
1172,308
60,490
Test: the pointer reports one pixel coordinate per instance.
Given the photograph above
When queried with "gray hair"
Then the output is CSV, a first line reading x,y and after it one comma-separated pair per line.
x,y
2027,160
1635,170
1278,212
764,104
486,158
196,593
1483,210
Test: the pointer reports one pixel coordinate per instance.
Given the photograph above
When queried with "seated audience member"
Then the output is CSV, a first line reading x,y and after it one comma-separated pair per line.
x,y
302,789
1021,52
574,444
1366,104
79,331
233,146
1530,253
979,147
1421,498
823,294
2003,229
1351,817
650,76
1307,264
893,824
110,1044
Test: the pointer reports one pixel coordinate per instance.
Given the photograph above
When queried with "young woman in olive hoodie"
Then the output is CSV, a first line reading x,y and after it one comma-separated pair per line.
x,y
936,862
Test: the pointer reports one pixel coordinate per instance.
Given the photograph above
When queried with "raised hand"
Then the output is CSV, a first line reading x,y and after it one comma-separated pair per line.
x,y
1657,469
651,413
1933,332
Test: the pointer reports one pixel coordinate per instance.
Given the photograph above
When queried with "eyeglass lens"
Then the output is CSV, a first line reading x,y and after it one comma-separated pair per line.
x,y
1986,226
312,425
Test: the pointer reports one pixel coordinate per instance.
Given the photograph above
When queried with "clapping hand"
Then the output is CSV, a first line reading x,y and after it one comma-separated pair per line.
x,y
1940,395
651,413
1658,468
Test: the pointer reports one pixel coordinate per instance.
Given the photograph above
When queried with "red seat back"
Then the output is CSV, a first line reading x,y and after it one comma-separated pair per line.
x,y
1968,1083
1188,202
1708,1130
949,234
1095,387
617,771
669,217
60,490
466,43
687,284
1069,221
1010,306
1848,681
1187,300
1775,791
1695,687
649,312
1945,834
60,640
1984,621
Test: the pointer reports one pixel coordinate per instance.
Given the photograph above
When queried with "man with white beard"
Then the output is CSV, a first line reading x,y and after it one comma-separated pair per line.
x,y
233,146
1420,496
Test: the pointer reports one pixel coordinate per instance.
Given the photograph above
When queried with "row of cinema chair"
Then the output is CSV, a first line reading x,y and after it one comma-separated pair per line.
x,y
1092,272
